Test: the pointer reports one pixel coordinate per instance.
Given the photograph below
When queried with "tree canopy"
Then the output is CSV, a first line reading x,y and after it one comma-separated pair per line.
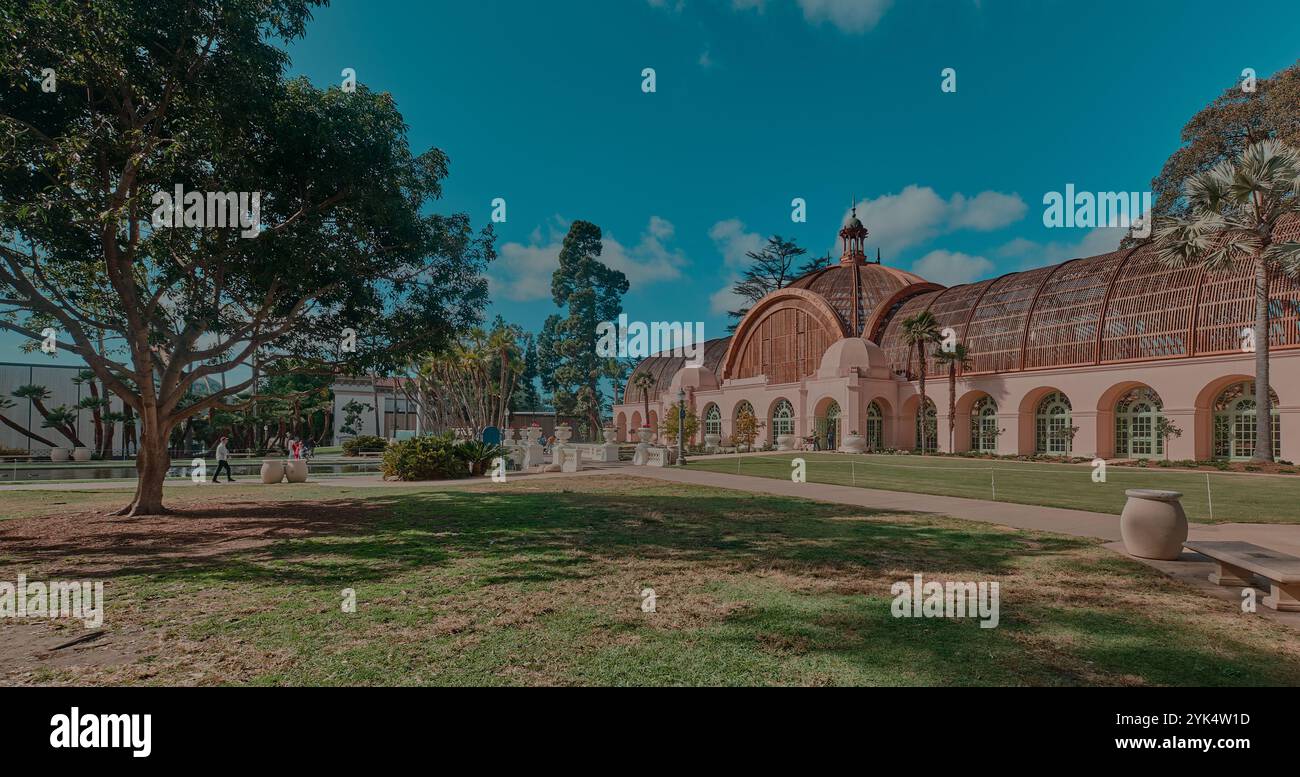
x,y
152,98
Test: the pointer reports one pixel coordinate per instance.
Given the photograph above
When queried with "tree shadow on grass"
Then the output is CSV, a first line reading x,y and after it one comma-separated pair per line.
x,y
515,537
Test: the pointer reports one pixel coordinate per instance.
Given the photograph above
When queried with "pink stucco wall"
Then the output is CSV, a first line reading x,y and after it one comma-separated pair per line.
x,y
1187,386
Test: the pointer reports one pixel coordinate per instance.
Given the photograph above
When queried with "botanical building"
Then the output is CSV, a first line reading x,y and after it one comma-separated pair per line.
x,y
1081,358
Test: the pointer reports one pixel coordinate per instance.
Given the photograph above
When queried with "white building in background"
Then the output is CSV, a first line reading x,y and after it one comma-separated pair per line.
x,y
58,379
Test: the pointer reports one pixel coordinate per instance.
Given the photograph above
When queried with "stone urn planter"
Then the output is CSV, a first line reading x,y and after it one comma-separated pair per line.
x,y
1153,524
711,442
272,471
59,454
610,434
562,433
853,443
533,433
785,442
508,437
296,470
642,455
81,453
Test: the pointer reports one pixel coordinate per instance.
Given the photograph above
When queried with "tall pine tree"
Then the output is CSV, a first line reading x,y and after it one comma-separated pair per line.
x,y
587,292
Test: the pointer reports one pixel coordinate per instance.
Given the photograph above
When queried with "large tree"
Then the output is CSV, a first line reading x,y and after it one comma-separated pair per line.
x,y
150,95
771,268
588,293
1235,208
1222,130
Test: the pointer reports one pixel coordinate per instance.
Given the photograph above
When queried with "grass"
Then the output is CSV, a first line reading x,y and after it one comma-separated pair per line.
x,y
1235,497
538,584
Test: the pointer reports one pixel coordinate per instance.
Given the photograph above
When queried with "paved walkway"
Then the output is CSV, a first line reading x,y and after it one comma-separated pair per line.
x,y
1079,523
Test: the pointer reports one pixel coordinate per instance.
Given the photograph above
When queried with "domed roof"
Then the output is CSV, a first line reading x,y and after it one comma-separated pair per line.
x,y
876,283
663,367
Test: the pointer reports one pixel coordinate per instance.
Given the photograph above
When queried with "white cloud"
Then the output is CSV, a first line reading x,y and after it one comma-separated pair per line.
x,y
986,210
853,16
952,267
734,243
1100,240
850,16
724,300
917,214
523,271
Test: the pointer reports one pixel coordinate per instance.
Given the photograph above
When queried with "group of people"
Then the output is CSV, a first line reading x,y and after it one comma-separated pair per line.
x,y
298,449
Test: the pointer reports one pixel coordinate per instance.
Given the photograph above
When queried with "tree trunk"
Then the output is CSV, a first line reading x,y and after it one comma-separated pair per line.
x,y
952,407
128,430
151,463
1263,407
96,415
23,430
920,408
69,432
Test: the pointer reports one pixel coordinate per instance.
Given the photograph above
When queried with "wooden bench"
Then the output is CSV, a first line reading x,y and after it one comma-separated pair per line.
x,y
1239,562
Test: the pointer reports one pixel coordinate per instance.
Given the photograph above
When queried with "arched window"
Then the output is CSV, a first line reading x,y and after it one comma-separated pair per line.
x,y
1137,415
1053,430
875,427
712,420
828,426
743,408
1234,422
782,419
929,421
984,425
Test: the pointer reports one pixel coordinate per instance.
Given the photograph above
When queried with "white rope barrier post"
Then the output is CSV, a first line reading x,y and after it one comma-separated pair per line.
x,y
1209,496
853,472
993,482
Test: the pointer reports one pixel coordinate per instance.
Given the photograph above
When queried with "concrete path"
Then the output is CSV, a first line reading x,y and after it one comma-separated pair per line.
x,y
1079,523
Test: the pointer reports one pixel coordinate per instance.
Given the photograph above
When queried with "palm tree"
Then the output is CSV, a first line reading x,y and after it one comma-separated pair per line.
x,y
110,419
92,403
1233,209
644,381
7,404
917,331
956,359
57,421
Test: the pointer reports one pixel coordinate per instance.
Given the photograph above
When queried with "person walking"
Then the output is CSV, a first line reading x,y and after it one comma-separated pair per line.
x,y
223,462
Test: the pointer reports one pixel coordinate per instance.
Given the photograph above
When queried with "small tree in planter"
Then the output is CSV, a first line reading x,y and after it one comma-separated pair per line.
x,y
669,426
1165,429
1067,433
746,429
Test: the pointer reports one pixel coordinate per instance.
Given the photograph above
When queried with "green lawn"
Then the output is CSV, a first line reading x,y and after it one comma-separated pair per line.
x,y
1236,497
537,584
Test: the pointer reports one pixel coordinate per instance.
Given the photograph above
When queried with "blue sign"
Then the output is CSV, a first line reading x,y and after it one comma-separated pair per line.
x,y
492,436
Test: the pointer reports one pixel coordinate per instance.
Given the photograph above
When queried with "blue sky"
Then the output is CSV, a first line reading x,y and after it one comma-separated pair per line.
x,y
762,101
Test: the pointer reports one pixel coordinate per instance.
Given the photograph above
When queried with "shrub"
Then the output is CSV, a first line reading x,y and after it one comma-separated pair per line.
x,y
478,455
363,442
424,458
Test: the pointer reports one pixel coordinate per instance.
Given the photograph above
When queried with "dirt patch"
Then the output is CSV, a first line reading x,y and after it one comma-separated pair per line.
x,y
98,544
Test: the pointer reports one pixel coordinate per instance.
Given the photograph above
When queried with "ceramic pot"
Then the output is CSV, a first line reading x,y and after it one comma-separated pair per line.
x,y
1153,524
